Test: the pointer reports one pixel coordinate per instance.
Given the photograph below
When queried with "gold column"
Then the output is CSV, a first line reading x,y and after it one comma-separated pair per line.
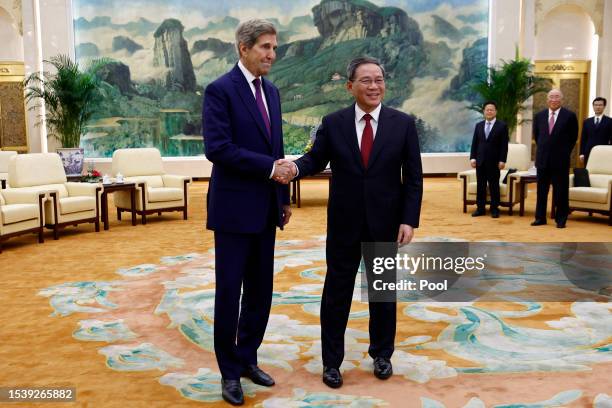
x,y
13,131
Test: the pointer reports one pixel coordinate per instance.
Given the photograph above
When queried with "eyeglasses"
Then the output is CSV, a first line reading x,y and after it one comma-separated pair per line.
x,y
370,81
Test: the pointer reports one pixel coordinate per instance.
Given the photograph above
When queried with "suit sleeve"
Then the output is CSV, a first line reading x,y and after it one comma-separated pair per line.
x,y
505,139
219,144
584,138
284,187
318,157
474,150
412,178
536,128
573,131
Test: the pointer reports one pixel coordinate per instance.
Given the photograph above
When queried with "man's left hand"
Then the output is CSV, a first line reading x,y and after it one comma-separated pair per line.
x,y
286,214
405,234
501,165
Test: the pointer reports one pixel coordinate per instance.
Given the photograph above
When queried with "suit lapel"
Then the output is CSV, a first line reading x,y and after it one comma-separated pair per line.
x,y
244,90
381,137
272,111
350,134
558,122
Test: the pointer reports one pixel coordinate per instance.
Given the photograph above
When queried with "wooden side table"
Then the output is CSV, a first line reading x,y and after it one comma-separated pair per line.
x,y
110,188
296,195
523,181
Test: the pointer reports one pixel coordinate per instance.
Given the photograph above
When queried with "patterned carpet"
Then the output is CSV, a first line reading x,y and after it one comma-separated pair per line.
x,y
512,353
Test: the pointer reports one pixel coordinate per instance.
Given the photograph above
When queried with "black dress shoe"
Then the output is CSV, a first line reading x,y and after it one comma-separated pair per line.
x,y
495,213
258,376
332,377
231,391
382,368
560,225
538,222
478,213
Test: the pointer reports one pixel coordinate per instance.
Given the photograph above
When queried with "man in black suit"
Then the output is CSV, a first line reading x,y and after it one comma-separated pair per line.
x,y
555,131
596,130
488,157
375,196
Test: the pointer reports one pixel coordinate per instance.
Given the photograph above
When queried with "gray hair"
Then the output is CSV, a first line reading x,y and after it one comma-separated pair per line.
x,y
354,64
557,90
249,31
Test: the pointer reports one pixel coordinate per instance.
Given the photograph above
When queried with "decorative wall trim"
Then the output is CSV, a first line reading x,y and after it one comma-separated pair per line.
x,y
594,8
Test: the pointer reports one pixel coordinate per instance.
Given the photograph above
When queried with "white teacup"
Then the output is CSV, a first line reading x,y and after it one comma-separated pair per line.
x,y
119,178
106,179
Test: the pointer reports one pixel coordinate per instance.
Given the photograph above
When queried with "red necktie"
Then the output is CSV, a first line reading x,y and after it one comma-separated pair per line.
x,y
367,140
551,123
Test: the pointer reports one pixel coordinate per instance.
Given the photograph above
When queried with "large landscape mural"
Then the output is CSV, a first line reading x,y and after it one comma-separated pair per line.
x,y
161,56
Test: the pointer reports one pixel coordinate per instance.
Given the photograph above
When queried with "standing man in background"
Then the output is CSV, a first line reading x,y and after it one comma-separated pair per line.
x,y
596,130
243,138
555,131
488,156
375,196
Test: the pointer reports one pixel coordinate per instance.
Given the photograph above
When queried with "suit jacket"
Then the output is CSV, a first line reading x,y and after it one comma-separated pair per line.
x,y
554,150
595,135
382,196
490,151
241,194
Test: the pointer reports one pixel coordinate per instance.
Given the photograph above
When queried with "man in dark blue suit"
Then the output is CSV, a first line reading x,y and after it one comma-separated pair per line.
x,y
488,156
375,196
596,130
555,131
243,139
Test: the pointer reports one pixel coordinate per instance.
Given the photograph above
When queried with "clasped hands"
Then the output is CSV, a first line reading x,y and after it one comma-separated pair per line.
x,y
284,171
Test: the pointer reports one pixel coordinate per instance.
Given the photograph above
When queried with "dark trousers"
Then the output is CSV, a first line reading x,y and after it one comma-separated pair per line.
x,y
487,174
559,179
343,261
247,261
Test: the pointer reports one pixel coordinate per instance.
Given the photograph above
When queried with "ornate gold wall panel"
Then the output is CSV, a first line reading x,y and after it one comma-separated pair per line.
x,y
13,133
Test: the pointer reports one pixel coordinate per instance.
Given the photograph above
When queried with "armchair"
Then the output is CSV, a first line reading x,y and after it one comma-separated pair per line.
x,y
4,162
21,212
155,190
596,198
518,158
69,203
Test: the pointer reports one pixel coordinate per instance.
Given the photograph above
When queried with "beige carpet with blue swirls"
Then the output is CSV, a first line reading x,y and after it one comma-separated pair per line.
x,y
125,317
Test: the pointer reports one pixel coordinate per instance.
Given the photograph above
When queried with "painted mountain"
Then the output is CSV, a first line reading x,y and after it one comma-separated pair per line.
x,y
162,56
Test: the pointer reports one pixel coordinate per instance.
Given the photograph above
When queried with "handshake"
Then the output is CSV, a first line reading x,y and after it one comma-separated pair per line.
x,y
284,171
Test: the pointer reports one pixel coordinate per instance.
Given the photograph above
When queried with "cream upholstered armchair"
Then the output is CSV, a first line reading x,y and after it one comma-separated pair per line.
x,y
69,203
4,162
155,190
598,197
518,158
21,212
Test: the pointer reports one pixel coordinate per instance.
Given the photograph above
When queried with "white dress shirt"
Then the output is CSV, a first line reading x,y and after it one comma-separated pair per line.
x,y
597,118
551,112
492,123
360,122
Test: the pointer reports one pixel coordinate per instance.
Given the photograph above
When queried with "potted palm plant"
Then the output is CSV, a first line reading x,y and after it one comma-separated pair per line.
x,y
68,94
510,85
